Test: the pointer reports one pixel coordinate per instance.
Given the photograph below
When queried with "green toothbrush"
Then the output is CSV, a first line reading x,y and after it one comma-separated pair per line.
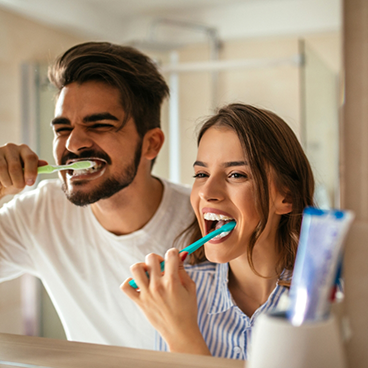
x,y
78,165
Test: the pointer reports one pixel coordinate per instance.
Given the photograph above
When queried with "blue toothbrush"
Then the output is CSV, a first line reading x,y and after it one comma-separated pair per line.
x,y
193,247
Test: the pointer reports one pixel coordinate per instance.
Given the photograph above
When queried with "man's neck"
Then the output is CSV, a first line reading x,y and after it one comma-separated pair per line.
x,y
130,209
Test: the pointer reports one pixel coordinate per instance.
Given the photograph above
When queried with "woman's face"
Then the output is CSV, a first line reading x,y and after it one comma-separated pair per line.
x,y
223,190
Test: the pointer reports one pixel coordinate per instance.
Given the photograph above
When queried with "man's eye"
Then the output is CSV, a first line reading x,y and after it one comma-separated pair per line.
x,y
100,125
62,130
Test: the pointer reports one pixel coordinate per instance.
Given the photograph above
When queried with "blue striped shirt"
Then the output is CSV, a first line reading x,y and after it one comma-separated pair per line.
x,y
225,328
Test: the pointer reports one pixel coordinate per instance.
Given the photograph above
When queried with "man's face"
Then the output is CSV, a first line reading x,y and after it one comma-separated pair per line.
x,y
88,126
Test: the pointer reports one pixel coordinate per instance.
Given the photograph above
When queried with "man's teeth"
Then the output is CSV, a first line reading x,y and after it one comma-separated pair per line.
x,y
90,170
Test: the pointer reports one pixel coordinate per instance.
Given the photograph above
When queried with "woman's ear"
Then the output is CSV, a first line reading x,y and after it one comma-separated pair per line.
x,y
284,203
152,143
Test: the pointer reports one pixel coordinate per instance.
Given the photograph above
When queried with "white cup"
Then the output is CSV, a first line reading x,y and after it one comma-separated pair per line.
x,y
276,343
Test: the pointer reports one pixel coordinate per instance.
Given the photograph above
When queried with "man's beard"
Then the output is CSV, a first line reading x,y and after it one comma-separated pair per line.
x,y
110,186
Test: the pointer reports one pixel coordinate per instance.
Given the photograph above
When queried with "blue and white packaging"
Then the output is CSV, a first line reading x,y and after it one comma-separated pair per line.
x,y
319,253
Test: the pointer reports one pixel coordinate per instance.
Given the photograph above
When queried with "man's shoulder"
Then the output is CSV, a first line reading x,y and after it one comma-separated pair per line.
x,y
180,189
176,198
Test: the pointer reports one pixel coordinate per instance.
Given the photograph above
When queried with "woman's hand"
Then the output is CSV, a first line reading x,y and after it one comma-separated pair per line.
x,y
169,301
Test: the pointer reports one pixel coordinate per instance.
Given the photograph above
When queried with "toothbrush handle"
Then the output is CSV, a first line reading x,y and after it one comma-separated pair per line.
x,y
194,246
47,169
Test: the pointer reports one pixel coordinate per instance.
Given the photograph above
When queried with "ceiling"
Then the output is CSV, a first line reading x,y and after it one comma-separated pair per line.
x,y
124,20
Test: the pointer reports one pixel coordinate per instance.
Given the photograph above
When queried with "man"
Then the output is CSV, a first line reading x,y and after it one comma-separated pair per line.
x,y
82,244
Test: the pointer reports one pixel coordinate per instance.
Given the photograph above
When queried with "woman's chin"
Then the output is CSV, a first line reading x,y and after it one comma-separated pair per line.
x,y
216,257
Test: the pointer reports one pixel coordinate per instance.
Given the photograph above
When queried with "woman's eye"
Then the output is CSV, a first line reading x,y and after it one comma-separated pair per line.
x,y
237,175
200,175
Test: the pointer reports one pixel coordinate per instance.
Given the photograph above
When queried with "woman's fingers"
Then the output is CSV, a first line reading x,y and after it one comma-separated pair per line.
x,y
138,271
153,262
172,261
149,277
128,290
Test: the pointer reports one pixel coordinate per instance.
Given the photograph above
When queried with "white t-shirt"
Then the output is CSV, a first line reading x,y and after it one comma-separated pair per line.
x,y
81,264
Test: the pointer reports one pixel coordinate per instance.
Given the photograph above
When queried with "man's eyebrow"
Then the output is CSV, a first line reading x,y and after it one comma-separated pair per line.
x,y
88,119
225,164
99,116
57,121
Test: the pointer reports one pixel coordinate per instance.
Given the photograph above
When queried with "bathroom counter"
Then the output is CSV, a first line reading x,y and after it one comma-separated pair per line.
x,y
37,352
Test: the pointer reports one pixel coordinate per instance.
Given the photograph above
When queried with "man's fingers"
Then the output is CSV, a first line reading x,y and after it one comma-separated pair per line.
x,y
5,179
30,163
18,167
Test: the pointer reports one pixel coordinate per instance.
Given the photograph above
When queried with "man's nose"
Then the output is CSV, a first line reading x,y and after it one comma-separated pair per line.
x,y
78,140
212,190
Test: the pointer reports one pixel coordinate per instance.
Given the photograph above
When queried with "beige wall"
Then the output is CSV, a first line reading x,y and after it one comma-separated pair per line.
x,y
20,40
276,88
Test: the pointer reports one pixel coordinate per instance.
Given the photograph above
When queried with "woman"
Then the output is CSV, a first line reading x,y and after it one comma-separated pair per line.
x,y
251,169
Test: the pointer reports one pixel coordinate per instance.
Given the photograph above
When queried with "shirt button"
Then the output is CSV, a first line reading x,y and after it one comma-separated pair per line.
x,y
237,350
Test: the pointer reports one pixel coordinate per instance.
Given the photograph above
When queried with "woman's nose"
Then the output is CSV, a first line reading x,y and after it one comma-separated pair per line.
x,y
212,190
78,140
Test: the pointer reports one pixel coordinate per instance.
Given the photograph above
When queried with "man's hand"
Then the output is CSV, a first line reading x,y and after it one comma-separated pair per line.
x,y
18,168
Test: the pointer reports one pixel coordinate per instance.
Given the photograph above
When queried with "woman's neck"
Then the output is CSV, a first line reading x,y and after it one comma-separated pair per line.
x,y
248,289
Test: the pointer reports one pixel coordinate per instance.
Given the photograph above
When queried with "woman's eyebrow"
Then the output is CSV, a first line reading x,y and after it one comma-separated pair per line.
x,y
225,164
199,163
235,163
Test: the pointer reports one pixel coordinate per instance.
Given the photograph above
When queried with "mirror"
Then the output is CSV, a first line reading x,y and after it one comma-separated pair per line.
x,y
275,55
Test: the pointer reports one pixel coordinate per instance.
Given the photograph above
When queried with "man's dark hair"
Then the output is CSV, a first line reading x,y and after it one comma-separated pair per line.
x,y
142,88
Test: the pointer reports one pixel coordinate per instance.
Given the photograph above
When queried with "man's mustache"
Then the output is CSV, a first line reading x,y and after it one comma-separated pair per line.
x,y
85,154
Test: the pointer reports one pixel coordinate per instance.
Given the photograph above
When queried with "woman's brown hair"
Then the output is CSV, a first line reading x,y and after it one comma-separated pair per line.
x,y
270,145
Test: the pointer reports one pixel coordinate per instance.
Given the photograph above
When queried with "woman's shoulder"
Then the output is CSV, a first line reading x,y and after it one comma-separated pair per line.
x,y
205,266
202,273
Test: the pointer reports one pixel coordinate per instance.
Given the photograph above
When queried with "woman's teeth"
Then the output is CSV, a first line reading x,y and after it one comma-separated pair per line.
x,y
216,222
216,217
222,235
